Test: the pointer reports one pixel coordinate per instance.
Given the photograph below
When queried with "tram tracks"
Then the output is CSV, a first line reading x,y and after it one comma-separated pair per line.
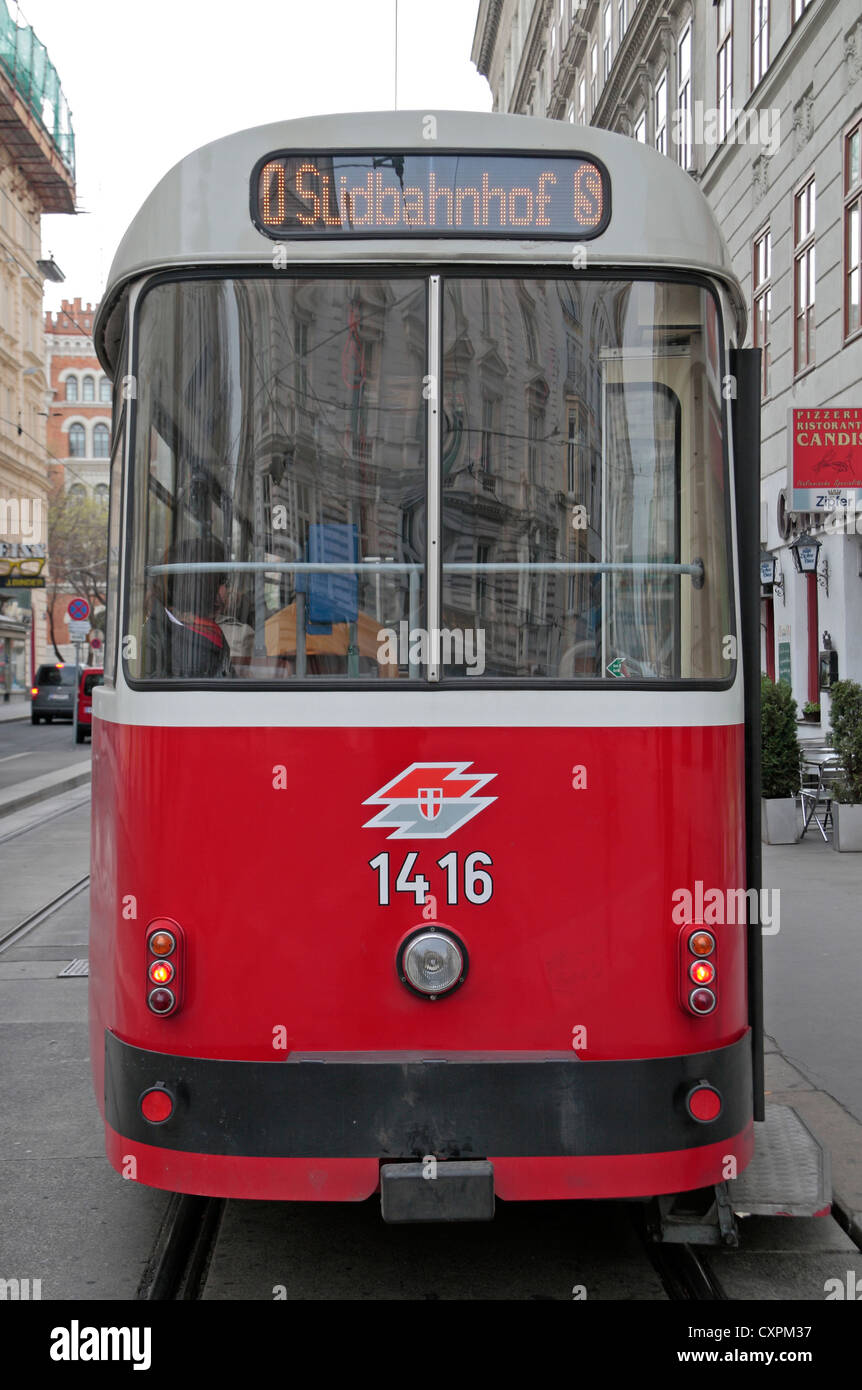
x,y
177,1268
14,934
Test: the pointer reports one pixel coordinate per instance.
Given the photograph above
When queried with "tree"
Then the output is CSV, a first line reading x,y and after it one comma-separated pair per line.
x,y
77,550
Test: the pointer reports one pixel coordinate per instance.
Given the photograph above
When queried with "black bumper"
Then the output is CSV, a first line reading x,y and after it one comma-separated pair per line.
x,y
391,1105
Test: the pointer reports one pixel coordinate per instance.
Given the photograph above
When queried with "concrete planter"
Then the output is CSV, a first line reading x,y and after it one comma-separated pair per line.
x,y
848,826
778,821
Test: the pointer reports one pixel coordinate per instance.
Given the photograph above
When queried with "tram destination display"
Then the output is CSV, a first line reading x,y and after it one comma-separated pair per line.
x,y
449,194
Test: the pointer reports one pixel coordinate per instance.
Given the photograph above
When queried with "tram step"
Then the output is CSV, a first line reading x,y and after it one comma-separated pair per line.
x,y
444,1191
790,1174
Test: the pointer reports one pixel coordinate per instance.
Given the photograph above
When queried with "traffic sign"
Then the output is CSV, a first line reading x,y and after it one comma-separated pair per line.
x,y
96,644
78,609
78,631
616,667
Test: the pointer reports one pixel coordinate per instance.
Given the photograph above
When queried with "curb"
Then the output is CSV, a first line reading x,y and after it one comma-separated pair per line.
x,y
849,1220
41,788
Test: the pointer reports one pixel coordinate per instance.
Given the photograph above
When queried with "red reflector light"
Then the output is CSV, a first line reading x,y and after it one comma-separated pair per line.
x,y
161,972
702,1001
161,1001
704,1104
702,972
157,1105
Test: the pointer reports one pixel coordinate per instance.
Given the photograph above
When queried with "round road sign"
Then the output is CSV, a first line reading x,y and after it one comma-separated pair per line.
x,y
78,609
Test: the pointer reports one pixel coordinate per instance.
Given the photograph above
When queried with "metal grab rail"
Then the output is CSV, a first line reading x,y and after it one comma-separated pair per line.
x,y
696,569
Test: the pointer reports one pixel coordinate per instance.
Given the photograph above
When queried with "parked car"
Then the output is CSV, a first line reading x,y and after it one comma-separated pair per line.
x,y
90,678
53,693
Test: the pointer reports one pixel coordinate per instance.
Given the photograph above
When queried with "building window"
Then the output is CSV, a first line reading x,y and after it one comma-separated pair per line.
x,y
853,231
100,491
71,388
487,454
594,77
101,442
640,128
89,391
683,85
622,19
724,68
799,8
105,390
607,40
582,100
77,442
77,490
759,40
534,432
804,279
762,284
661,114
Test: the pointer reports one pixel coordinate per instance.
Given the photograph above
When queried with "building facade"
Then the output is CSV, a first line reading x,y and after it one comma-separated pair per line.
x,y
37,175
762,103
78,437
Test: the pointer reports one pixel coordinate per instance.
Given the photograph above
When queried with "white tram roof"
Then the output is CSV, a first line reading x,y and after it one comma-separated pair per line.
x,y
198,214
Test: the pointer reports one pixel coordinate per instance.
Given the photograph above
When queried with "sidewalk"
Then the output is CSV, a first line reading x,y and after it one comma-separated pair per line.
x,y
18,706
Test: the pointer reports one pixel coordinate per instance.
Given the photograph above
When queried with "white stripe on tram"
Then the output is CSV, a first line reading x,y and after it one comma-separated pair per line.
x,y
418,709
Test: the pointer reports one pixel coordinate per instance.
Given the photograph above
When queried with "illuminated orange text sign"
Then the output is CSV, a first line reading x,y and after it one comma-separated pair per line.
x,y
295,195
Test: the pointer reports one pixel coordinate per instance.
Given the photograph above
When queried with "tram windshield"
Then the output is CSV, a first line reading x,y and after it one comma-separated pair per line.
x,y
281,475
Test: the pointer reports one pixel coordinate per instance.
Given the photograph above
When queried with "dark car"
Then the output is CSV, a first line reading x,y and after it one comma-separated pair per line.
x,y
53,693
93,676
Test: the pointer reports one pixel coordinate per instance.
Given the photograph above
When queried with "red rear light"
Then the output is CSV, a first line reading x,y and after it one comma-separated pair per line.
x,y
34,690
157,1105
702,972
701,1001
703,1103
161,972
161,1000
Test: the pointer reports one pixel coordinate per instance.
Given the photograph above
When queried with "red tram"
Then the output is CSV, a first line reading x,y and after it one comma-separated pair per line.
x,y
424,734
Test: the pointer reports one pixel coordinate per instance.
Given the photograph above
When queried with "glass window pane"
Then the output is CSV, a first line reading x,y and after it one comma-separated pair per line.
x,y
280,480
607,449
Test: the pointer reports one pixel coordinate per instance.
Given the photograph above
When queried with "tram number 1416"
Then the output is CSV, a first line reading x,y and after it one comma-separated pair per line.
x,y
467,876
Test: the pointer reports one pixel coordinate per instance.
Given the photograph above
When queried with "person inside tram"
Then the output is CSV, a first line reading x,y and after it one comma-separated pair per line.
x,y
182,638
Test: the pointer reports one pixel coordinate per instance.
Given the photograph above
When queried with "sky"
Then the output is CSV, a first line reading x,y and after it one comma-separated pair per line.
x,y
148,81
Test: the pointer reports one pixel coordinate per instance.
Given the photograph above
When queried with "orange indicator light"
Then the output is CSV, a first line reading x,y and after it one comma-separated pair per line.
x,y
701,943
161,943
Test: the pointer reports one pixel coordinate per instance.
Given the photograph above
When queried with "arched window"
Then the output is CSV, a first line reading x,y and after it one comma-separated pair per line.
x,y
105,390
77,442
89,389
101,442
71,388
101,493
77,490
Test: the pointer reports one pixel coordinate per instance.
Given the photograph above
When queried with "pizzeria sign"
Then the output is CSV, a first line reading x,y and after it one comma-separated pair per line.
x,y
825,448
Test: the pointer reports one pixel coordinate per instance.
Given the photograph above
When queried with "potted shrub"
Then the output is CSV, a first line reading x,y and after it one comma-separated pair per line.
x,y
811,712
846,717
780,763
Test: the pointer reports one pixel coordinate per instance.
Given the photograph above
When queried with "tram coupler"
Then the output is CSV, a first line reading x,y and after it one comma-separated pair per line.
x,y
702,1217
448,1190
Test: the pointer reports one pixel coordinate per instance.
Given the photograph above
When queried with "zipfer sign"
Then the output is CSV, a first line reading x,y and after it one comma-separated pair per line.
x,y
356,194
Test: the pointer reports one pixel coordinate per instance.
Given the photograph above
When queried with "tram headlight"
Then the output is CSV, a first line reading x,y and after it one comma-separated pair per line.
x,y
432,962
